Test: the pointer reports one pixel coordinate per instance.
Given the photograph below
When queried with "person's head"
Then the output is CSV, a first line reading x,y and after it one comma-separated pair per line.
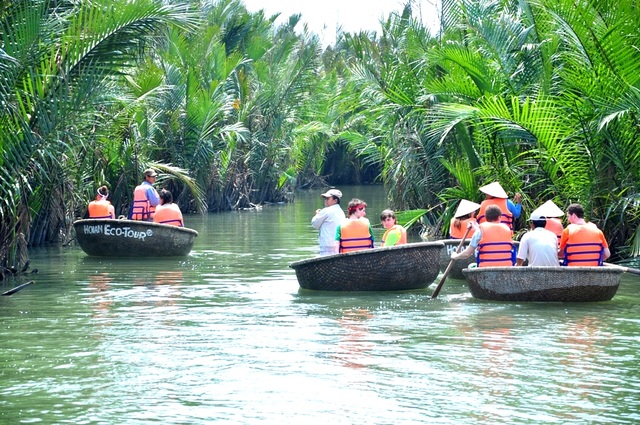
x,y
388,219
150,175
576,209
332,196
494,190
166,197
103,192
537,220
492,213
357,207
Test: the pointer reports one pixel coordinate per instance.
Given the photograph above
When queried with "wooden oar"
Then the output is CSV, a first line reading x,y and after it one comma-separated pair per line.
x,y
448,269
17,288
625,269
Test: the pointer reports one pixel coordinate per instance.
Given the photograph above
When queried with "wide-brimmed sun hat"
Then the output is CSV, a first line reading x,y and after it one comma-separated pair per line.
x,y
494,189
332,192
549,209
466,207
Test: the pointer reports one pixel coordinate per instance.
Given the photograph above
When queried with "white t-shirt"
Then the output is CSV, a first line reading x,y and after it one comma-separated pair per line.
x,y
327,221
539,247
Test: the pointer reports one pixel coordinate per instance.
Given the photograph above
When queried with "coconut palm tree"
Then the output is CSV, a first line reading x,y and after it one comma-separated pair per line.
x,y
58,61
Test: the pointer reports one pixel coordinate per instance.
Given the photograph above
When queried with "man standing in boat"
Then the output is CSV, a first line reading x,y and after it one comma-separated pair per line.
x,y
539,247
582,243
145,198
492,240
326,221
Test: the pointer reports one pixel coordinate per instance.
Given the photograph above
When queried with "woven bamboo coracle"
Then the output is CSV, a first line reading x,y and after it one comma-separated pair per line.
x,y
396,268
564,284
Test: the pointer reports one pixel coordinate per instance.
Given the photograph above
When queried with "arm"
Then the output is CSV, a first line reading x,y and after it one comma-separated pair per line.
x,y
318,219
152,196
463,254
515,208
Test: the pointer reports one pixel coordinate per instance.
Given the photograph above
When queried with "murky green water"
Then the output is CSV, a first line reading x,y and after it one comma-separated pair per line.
x,y
226,336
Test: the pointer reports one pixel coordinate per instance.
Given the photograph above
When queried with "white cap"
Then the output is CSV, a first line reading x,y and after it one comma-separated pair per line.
x,y
536,215
494,189
466,207
332,192
549,209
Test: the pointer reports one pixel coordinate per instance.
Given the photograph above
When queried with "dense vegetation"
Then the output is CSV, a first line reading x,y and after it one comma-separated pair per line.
x,y
233,110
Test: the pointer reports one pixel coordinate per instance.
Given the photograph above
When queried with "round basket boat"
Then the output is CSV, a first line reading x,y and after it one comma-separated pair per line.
x,y
565,284
395,268
131,238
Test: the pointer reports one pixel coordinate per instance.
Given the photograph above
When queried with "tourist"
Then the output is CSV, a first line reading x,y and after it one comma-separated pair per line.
x,y
168,212
552,213
539,247
145,198
100,207
582,243
491,242
355,233
465,214
495,195
395,234
326,221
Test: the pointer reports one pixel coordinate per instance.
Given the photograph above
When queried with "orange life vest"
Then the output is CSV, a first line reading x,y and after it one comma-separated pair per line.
x,y
506,217
554,225
456,233
101,209
142,209
583,245
168,214
355,236
496,247
396,228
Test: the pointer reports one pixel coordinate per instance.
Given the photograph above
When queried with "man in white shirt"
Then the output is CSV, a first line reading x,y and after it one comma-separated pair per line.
x,y
539,246
327,220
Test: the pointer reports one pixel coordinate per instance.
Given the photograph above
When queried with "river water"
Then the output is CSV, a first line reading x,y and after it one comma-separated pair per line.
x,y
226,336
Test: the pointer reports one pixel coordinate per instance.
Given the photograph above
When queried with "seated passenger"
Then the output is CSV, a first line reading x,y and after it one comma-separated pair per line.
x,y
168,212
100,207
395,234
465,214
355,233
582,243
539,247
491,241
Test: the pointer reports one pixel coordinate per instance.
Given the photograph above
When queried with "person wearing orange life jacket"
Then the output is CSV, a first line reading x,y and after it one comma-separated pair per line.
x,y
464,215
168,212
582,243
100,207
145,198
496,195
355,233
491,241
395,234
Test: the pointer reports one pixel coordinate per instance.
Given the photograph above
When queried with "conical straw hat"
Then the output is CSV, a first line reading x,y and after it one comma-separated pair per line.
x,y
466,207
494,189
549,209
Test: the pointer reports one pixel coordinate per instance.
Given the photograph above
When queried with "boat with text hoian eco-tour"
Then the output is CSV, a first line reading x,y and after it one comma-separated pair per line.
x,y
561,283
133,238
394,268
